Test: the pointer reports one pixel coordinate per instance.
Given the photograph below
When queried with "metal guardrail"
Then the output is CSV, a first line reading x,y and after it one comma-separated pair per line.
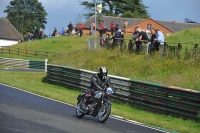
x,y
20,63
157,98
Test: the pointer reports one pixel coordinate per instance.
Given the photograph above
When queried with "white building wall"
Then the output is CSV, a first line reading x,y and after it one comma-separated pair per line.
x,y
4,42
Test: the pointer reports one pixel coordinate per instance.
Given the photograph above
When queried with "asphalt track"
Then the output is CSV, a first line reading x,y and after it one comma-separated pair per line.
x,y
24,112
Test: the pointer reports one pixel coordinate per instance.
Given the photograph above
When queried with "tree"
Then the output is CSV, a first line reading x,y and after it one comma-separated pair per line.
x,y
26,15
78,20
122,8
187,20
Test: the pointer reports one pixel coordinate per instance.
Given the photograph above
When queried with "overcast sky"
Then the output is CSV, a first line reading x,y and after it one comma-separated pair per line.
x,y
61,12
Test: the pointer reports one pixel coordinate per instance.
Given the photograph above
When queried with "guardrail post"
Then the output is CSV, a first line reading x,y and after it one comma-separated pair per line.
x,y
9,50
46,61
2,50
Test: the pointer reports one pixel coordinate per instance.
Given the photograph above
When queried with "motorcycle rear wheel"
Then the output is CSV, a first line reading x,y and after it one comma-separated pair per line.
x,y
104,112
79,114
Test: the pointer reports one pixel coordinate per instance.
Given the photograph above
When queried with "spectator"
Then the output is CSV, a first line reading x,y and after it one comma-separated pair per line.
x,y
92,28
125,26
135,34
58,34
70,28
116,27
67,30
142,38
25,38
118,35
154,46
40,34
160,40
77,30
20,40
104,30
112,26
63,32
54,32
102,40
73,31
108,36
101,27
81,26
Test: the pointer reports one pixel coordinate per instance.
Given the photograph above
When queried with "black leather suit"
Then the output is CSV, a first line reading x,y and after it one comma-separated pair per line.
x,y
97,83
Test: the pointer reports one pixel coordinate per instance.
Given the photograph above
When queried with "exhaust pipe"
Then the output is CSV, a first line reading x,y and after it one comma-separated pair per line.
x,y
77,108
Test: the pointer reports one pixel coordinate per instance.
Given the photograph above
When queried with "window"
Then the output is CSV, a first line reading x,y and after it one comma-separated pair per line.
x,y
149,26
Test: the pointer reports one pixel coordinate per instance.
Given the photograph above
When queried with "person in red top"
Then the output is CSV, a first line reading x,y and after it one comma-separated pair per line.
x,y
112,27
101,27
81,26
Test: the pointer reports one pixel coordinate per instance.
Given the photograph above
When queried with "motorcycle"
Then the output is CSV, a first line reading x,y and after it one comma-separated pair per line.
x,y
100,104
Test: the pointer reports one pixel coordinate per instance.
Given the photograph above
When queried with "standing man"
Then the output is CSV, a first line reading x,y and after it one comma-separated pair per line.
x,y
92,28
70,28
112,27
102,26
125,26
160,40
81,26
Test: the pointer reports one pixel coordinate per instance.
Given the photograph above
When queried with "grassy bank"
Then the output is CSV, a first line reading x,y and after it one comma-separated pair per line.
x,y
35,82
73,51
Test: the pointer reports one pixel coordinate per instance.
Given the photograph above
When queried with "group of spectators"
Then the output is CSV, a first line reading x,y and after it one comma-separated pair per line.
x,y
155,42
114,27
116,32
70,30
38,34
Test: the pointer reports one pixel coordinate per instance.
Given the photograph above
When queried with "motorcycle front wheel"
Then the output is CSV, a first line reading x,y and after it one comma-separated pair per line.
x,y
79,114
104,112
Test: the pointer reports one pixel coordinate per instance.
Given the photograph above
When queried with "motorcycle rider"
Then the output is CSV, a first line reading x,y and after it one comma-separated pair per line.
x,y
99,81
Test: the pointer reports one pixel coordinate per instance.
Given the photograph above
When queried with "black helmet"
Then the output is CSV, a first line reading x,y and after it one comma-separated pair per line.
x,y
103,72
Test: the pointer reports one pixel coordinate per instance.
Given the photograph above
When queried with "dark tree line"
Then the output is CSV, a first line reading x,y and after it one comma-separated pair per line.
x,y
26,15
121,8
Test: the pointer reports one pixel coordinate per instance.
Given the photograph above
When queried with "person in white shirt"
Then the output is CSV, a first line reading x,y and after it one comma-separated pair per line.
x,y
160,38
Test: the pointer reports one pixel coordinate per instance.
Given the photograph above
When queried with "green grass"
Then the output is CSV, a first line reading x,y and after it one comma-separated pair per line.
x,y
73,51
35,82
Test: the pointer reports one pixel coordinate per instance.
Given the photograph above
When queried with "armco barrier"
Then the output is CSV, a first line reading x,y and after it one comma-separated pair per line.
x,y
20,63
149,96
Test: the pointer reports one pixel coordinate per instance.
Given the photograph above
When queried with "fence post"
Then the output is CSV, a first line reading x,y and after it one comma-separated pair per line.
x,y
18,51
148,44
2,50
36,53
9,50
179,49
26,52
46,60
195,50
